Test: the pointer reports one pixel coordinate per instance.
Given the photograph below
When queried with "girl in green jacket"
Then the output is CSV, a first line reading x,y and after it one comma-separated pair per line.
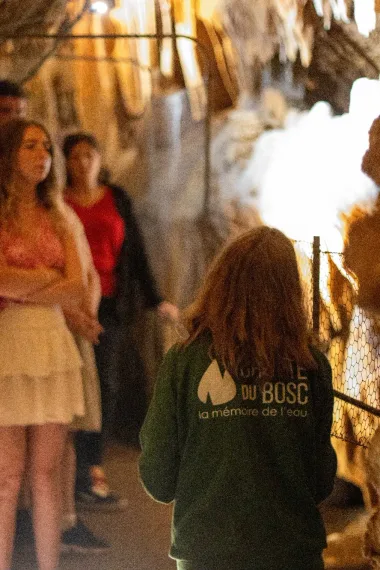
x,y
238,430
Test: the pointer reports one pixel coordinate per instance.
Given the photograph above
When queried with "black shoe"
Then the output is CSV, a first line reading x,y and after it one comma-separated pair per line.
x,y
90,500
80,540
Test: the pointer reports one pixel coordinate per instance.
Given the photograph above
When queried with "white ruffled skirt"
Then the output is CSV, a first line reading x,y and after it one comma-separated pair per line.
x,y
40,367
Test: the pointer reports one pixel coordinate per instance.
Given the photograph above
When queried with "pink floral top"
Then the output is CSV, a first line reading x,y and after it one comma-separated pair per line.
x,y
44,250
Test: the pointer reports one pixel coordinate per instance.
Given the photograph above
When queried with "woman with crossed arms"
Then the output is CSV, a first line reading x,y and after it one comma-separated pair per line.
x,y
41,389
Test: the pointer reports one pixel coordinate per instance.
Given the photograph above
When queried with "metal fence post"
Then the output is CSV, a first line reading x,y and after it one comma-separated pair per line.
x,y
316,291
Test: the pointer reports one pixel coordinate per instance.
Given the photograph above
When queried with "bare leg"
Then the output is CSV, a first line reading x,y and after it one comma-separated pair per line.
x,y
12,465
68,478
45,454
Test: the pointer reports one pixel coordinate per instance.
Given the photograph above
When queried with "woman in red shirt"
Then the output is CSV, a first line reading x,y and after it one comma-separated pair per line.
x,y
120,259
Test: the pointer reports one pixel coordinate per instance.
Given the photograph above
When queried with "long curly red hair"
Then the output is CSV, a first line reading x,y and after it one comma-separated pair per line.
x,y
252,304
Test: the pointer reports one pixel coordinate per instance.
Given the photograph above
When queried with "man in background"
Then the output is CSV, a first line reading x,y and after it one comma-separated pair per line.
x,y
13,102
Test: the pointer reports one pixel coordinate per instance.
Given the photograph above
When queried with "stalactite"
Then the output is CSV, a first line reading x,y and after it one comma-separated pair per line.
x,y
166,48
93,78
134,56
32,17
186,25
364,12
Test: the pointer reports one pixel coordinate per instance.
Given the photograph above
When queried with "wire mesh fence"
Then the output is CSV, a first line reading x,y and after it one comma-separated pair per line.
x,y
350,338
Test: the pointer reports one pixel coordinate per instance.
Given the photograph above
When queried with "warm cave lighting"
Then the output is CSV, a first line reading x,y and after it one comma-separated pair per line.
x,y
100,7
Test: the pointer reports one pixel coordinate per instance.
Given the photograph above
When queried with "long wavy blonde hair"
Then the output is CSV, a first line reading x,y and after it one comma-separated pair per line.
x,y
11,137
252,304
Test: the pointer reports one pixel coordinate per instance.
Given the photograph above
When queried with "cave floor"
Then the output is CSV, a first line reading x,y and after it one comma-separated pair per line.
x,y
140,535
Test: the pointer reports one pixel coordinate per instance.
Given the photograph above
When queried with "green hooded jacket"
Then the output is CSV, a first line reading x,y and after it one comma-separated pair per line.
x,y
245,467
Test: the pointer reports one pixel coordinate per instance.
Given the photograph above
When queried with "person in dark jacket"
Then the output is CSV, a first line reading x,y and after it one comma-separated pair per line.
x,y
238,430
120,259
13,102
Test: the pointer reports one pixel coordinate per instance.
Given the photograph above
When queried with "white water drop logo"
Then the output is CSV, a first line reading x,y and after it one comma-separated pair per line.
x,y
222,389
